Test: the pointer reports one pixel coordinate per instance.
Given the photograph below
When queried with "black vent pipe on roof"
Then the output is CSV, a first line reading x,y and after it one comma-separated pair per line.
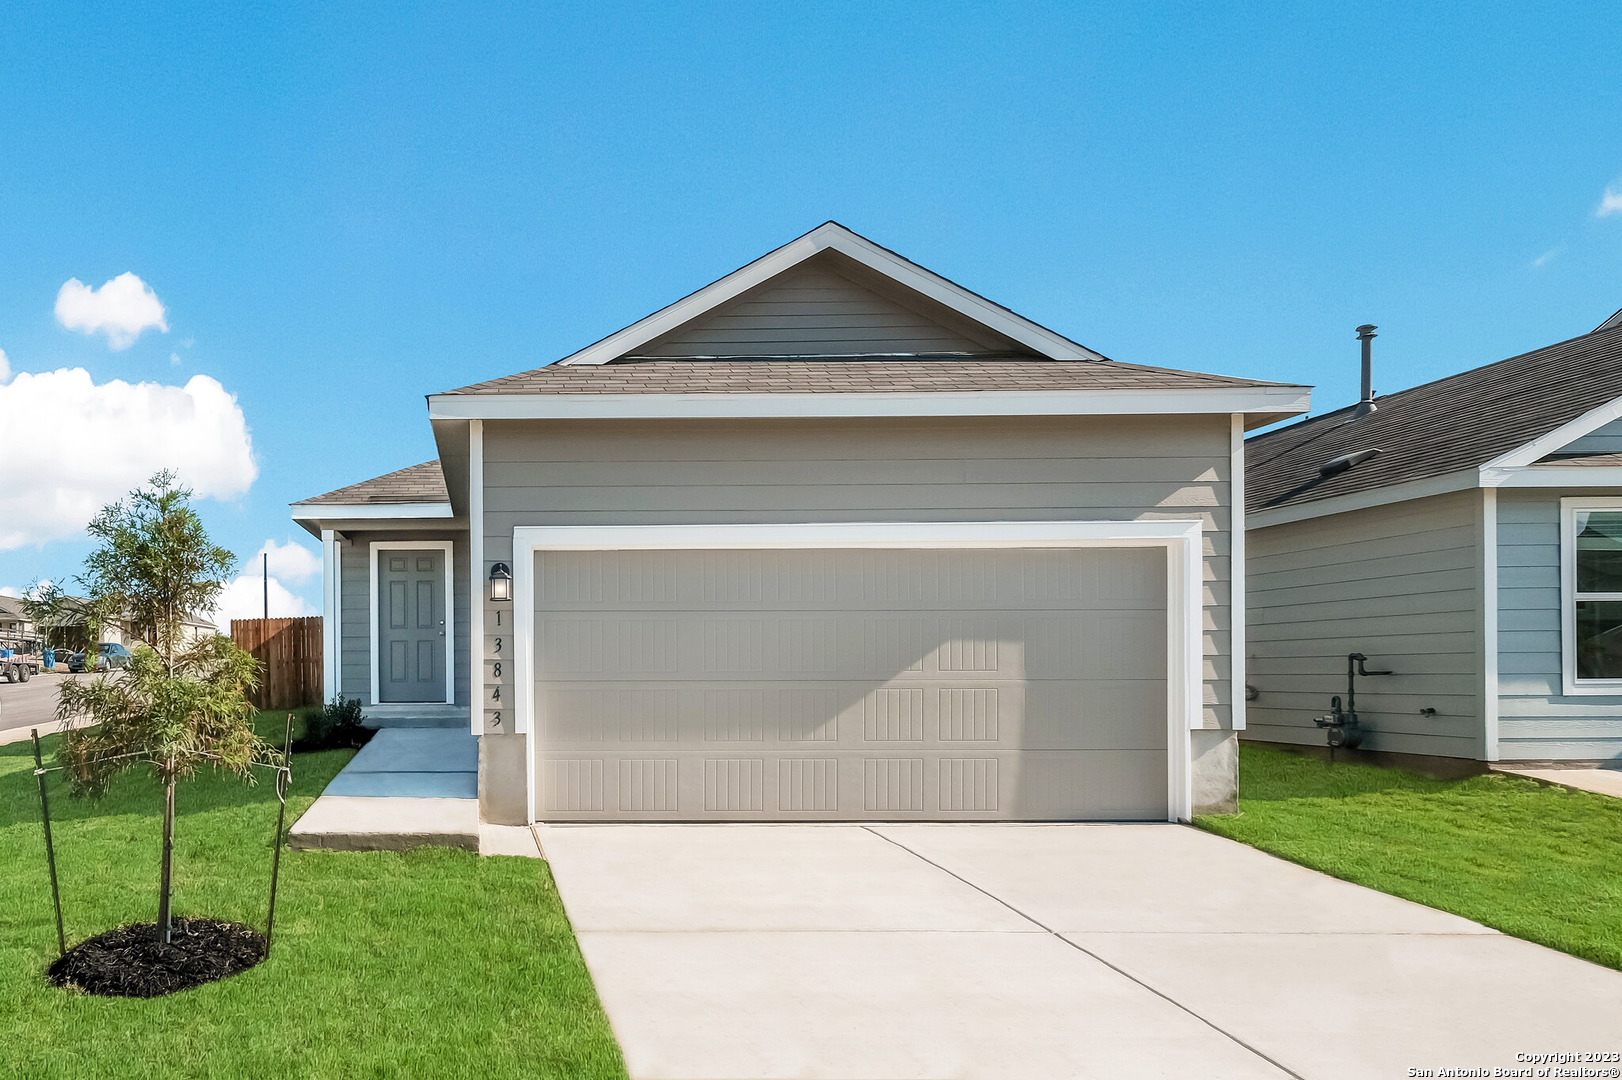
x,y
1366,334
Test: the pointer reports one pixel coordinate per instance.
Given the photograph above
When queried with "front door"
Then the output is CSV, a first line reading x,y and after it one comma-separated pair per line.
x,y
411,625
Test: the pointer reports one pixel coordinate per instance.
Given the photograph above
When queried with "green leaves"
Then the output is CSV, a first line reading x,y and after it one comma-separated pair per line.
x,y
155,564
170,717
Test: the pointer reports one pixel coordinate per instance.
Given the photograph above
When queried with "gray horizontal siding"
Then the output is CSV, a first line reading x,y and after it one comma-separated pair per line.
x,y
1400,584
970,469
355,664
1536,720
814,311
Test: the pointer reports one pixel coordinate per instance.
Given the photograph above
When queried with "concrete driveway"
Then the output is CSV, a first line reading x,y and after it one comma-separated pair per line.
x,y
742,952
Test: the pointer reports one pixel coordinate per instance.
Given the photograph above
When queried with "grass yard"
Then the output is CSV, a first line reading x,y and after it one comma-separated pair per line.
x,y
430,964
1539,862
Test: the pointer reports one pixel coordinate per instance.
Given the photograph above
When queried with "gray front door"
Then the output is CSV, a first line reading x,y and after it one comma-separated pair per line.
x,y
411,625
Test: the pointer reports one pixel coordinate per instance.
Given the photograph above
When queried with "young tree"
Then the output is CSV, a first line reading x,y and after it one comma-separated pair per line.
x,y
175,706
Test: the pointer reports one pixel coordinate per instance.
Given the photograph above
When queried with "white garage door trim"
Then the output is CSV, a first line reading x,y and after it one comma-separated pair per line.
x,y
1181,538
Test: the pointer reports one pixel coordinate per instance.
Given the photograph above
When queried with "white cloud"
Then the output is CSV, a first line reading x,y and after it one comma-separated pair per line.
x,y
10,590
244,598
1610,203
72,445
1546,258
5,368
122,308
290,561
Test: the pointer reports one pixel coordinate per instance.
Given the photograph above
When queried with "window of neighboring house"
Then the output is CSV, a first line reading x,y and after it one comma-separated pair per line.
x,y
1593,573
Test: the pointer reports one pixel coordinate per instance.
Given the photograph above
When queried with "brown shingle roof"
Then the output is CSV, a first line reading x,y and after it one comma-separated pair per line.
x,y
856,375
1460,422
423,483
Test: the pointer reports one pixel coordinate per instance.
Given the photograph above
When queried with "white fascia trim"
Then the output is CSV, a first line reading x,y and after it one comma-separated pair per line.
x,y
1463,480
1549,476
475,563
1489,622
448,547
967,403
1236,571
838,238
1547,444
1569,685
356,511
331,641
1184,568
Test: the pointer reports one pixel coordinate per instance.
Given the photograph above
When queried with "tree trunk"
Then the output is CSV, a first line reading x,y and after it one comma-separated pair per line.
x,y
168,852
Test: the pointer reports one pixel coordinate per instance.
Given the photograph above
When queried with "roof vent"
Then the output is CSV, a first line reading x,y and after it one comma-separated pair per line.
x,y
1336,466
1366,334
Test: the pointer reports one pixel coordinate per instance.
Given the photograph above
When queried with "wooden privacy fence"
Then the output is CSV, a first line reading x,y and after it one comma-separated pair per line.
x,y
289,654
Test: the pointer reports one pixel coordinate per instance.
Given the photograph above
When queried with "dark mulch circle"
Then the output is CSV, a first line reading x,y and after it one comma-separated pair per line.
x,y
129,961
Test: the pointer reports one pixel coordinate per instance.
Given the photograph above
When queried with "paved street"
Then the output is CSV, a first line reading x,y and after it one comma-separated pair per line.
x,y
27,705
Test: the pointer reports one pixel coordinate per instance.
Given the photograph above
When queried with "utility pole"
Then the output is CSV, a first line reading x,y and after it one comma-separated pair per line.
x,y
266,576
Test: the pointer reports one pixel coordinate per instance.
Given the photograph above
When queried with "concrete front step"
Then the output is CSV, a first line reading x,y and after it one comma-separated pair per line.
x,y
418,716
353,823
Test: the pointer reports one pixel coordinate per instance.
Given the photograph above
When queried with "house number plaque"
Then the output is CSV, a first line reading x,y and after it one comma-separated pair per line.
x,y
498,677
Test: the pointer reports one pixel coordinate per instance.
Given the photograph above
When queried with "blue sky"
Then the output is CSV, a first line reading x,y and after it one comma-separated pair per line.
x,y
342,208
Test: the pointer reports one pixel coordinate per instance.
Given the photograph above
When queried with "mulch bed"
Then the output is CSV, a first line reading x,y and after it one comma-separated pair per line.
x,y
129,961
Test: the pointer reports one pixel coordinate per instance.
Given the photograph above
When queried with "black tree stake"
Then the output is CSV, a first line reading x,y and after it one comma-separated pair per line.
x,y
282,780
50,848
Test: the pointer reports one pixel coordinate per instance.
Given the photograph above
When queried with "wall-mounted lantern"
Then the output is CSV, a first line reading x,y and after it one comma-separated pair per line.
x,y
501,582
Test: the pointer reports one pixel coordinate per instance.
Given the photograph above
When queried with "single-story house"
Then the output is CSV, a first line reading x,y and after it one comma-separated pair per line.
x,y
1477,557
830,538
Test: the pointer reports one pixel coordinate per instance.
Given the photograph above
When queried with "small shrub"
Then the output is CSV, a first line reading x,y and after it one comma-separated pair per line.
x,y
335,726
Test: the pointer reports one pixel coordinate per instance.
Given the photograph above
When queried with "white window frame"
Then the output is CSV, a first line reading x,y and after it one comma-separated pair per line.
x,y
1571,685
449,548
1182,539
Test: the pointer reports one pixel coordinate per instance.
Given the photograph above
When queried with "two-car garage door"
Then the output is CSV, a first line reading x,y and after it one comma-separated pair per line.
x,y
856,683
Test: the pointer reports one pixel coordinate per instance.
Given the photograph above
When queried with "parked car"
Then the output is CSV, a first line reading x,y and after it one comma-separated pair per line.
x,y
112,657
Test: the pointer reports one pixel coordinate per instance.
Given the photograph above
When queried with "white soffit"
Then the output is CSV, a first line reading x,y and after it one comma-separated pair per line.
x,y
1284,400
834,236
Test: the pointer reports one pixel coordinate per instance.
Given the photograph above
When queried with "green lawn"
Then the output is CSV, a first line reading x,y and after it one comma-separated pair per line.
x,y
430,964
1540,862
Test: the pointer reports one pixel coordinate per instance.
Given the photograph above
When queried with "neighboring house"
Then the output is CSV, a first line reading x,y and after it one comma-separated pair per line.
x,y
830,538
1478,557
14,622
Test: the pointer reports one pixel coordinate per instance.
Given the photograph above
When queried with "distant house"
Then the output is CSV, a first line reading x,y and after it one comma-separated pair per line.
x,y
71,634
832,537
14,622
1477,556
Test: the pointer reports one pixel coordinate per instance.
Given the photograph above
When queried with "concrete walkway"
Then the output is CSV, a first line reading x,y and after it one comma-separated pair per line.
x,y
411,786
841,951
1600,781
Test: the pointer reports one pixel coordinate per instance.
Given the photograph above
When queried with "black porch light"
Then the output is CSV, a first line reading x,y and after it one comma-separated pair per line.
x,y
501,582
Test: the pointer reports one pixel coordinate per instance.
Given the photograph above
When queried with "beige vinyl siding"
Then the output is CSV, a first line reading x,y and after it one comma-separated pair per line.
x,y
968,469
356,637
1402,585
814,311
1535,720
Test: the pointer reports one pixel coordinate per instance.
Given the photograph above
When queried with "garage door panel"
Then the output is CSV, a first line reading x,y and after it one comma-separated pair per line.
x,y
1045,714
875,579
852,644
930,785
878,684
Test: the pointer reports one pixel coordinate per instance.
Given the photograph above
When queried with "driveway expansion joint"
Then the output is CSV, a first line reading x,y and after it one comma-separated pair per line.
x,y
1230,1036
